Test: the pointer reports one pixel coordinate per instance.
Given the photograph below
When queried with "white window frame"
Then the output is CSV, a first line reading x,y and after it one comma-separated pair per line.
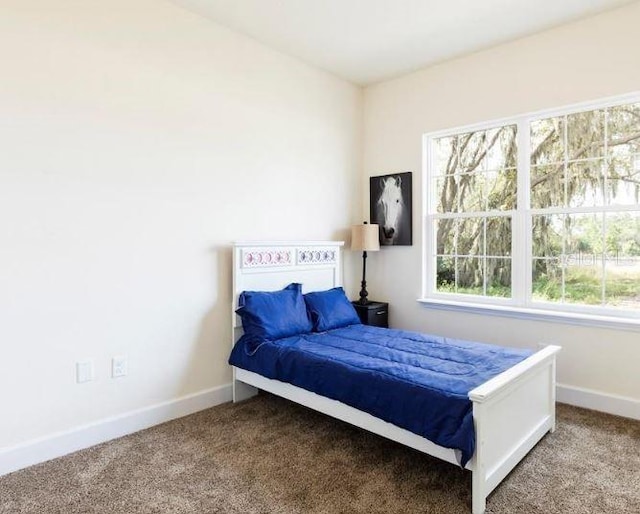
x,y
521,304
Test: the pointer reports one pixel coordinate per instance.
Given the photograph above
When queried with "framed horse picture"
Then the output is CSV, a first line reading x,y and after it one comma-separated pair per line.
x,y
390,208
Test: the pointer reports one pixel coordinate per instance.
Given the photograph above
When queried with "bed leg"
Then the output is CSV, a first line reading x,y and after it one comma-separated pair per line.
x,y
478,475
478,497
552,396
479,505
242,391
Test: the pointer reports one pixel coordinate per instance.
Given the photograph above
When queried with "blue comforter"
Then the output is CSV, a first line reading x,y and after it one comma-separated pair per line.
x,y
415,381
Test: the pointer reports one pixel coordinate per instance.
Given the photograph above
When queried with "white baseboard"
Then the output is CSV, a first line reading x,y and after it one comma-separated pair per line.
x,y
596,400
46,448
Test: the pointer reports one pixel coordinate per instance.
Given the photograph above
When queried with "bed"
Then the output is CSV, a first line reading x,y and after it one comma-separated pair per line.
x,y
509,413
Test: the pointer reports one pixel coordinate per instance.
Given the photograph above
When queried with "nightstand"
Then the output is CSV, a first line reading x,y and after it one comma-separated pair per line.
x,y
373,313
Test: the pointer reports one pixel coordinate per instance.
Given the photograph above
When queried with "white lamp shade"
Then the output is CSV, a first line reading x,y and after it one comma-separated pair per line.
x,y
365,238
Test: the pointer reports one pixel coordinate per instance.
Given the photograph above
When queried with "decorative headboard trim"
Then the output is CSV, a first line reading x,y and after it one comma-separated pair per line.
x,y
317,256
258,258
273,255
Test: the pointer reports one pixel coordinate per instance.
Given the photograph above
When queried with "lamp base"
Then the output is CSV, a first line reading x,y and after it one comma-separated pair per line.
x,y
363,291
363,295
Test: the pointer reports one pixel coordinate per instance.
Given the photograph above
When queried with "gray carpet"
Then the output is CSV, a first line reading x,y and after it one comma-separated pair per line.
x,y
268,455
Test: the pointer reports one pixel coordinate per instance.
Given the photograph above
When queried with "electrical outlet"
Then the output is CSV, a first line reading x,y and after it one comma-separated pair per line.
x,y
119,366
84,371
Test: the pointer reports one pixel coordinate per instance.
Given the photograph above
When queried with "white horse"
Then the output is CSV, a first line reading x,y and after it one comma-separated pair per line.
x,y
389,209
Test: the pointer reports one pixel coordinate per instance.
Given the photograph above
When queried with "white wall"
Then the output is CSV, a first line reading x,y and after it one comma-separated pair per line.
x,y
137,140
586,60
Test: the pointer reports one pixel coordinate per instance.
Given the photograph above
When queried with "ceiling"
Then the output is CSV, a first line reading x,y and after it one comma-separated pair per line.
x,y
366,41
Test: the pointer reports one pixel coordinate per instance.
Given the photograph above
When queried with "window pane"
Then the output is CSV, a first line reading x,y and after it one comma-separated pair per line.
x,y
473,150
498,274
624,120
445,155
623,174
500,187
548,235
583,282
499,236
624,156
547,140
547,280
445,275
623,190
585,183
575,274
445,236
585,135
501,148
446,193
583,258
470,236
622,283
472,192
547,186
622,275
470,279
461,193
583,233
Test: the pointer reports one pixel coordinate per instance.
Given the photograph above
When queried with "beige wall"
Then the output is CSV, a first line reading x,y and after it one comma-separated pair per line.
x,y
586,60
137,140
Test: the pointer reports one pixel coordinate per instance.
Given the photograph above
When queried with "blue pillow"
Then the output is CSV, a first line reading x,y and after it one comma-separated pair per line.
x,y
330,309
274,314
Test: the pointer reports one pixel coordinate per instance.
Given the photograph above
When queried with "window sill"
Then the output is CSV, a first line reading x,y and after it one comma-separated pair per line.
x,y
564,317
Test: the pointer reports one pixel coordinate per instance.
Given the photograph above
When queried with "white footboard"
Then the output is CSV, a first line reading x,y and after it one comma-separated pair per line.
x,y
511,412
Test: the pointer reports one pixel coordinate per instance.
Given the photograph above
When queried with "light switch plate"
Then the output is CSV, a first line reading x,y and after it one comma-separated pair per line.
x,y
84,371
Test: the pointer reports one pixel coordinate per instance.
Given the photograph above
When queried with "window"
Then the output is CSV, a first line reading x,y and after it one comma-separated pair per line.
x,y
475,180
539,211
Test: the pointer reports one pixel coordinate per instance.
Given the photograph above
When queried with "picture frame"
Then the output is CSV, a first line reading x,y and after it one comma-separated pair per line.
x,y
390,207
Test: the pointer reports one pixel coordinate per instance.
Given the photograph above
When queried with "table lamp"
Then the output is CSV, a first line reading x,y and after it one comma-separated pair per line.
x,y
364,237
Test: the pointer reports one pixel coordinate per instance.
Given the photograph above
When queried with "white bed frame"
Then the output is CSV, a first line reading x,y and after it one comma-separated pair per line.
x,y
511,412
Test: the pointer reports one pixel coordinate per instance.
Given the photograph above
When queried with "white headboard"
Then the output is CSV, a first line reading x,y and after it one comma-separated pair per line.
x,y
269,266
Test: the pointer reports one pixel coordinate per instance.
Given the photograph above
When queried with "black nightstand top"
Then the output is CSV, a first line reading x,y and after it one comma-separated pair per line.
x,y
371,304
